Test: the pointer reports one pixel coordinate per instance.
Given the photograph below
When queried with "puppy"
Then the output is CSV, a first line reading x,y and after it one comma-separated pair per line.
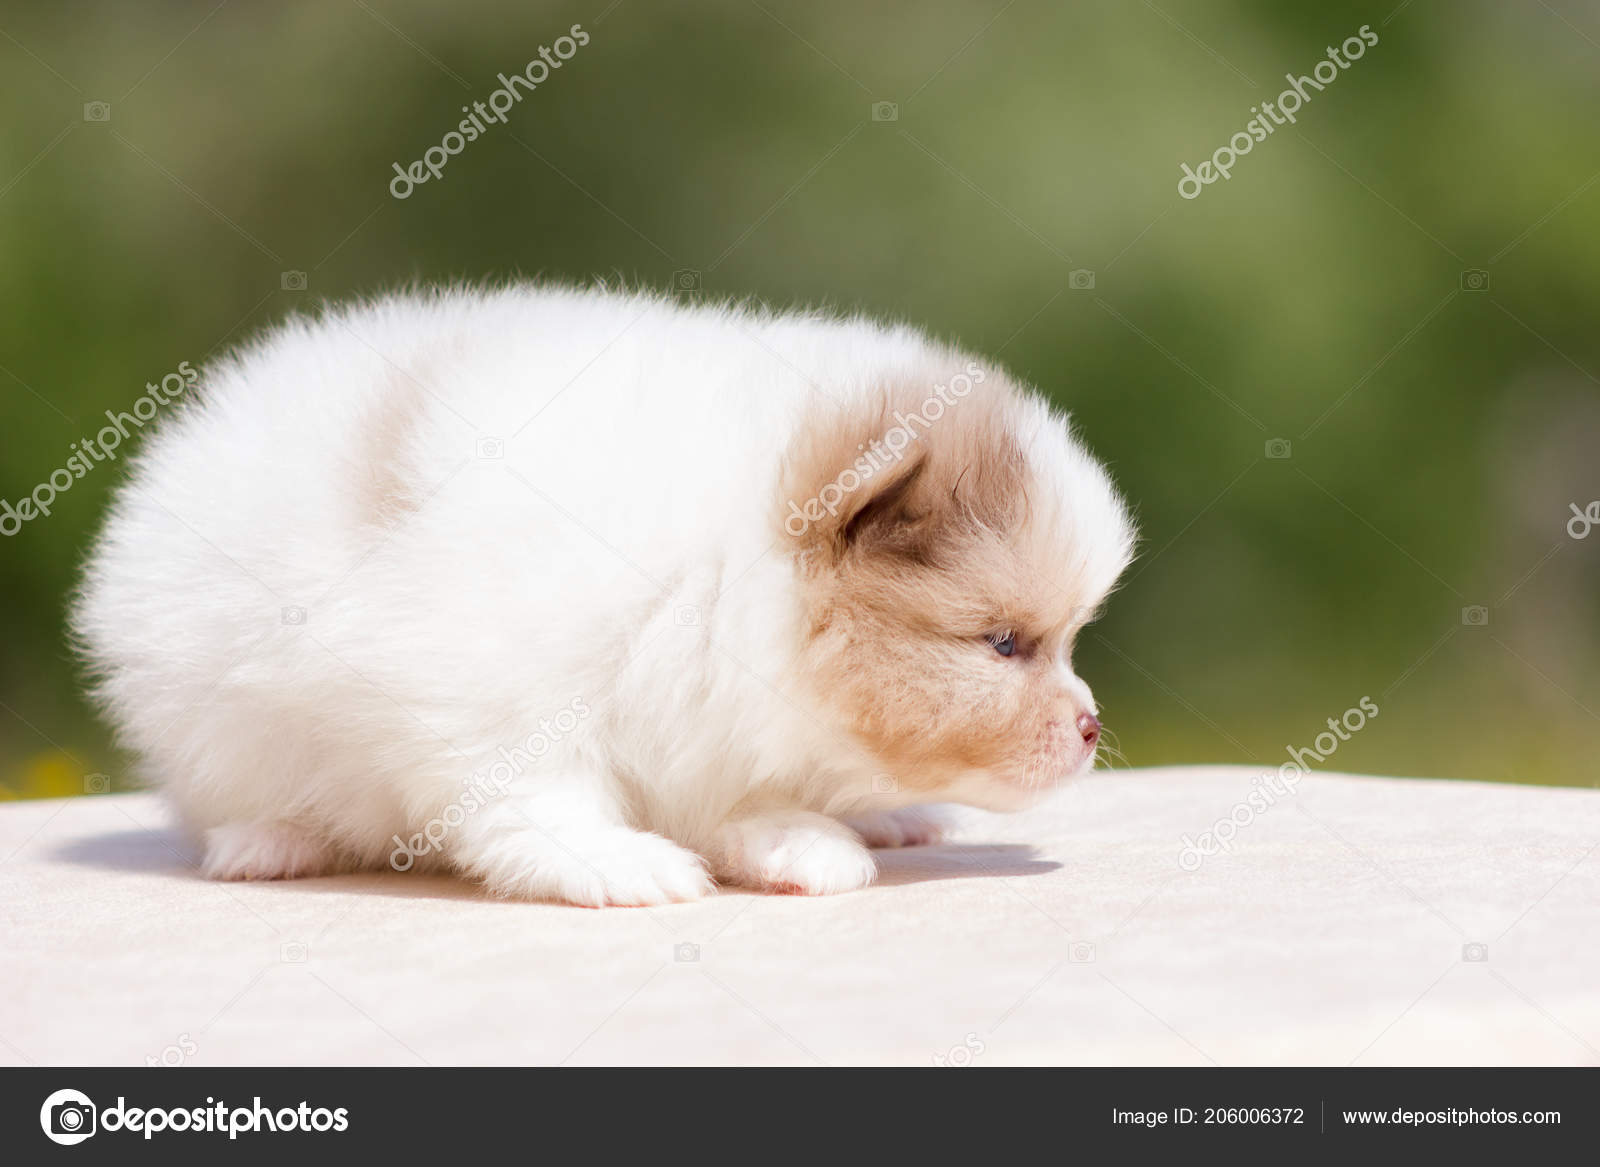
x,y
594,597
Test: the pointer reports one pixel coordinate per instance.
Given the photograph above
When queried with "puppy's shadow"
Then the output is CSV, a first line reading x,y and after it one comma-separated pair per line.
x,y
147,851
903,865
156,851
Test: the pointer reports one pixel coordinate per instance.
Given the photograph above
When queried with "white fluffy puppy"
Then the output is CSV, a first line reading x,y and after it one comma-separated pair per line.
x,y
594,596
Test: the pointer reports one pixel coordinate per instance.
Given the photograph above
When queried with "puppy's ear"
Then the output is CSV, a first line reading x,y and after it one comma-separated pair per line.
x,y
894,516
842,507
880,481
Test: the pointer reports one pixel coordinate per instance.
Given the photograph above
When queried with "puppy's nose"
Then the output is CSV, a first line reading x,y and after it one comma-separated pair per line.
x,y
1089,727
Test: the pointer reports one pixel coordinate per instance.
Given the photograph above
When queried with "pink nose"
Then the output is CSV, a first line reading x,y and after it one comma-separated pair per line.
x,y
1089,727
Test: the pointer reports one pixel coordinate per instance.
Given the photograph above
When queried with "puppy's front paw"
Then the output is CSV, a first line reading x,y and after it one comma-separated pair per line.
x,y
263,850
608,867
794,852
910,826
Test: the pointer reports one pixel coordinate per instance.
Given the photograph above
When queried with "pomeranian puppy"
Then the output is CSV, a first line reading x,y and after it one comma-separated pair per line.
x,y
595,597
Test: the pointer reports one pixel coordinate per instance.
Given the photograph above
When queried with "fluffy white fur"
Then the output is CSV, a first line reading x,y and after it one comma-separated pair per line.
x,y
502,576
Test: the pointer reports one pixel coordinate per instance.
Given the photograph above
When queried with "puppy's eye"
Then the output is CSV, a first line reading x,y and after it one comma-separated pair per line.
x,y
1005,643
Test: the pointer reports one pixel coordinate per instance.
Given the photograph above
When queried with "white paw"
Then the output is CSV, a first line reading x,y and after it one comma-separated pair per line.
x,y
795,852
611,867
911,826
263,851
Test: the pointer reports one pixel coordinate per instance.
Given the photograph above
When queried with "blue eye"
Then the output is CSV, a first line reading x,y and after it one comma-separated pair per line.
x,y
1005,644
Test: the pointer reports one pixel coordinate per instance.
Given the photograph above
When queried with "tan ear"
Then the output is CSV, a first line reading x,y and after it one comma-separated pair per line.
x,y
842,485
895,517
877,478
833,521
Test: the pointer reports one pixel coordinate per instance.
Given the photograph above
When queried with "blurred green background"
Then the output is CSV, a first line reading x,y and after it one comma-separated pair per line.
x,y
1438,432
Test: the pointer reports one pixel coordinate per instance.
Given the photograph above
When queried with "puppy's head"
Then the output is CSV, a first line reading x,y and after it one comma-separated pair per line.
x,y
951,540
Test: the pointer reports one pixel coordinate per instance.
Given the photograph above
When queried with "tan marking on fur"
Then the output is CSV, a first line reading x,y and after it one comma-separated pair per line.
x,y
949,543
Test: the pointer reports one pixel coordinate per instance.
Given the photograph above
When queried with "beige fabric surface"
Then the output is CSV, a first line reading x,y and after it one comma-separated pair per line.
x,y
1334,932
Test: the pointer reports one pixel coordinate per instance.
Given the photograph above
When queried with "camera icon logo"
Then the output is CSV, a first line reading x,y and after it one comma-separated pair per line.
x,y
68,1117
294,952
884,784
1475,953
293,614
1081,952
293,281
885,111
1474,279
686,615
686,280
1278,448
1080,280
1475,616
686,953
490,449
97,111
97,783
